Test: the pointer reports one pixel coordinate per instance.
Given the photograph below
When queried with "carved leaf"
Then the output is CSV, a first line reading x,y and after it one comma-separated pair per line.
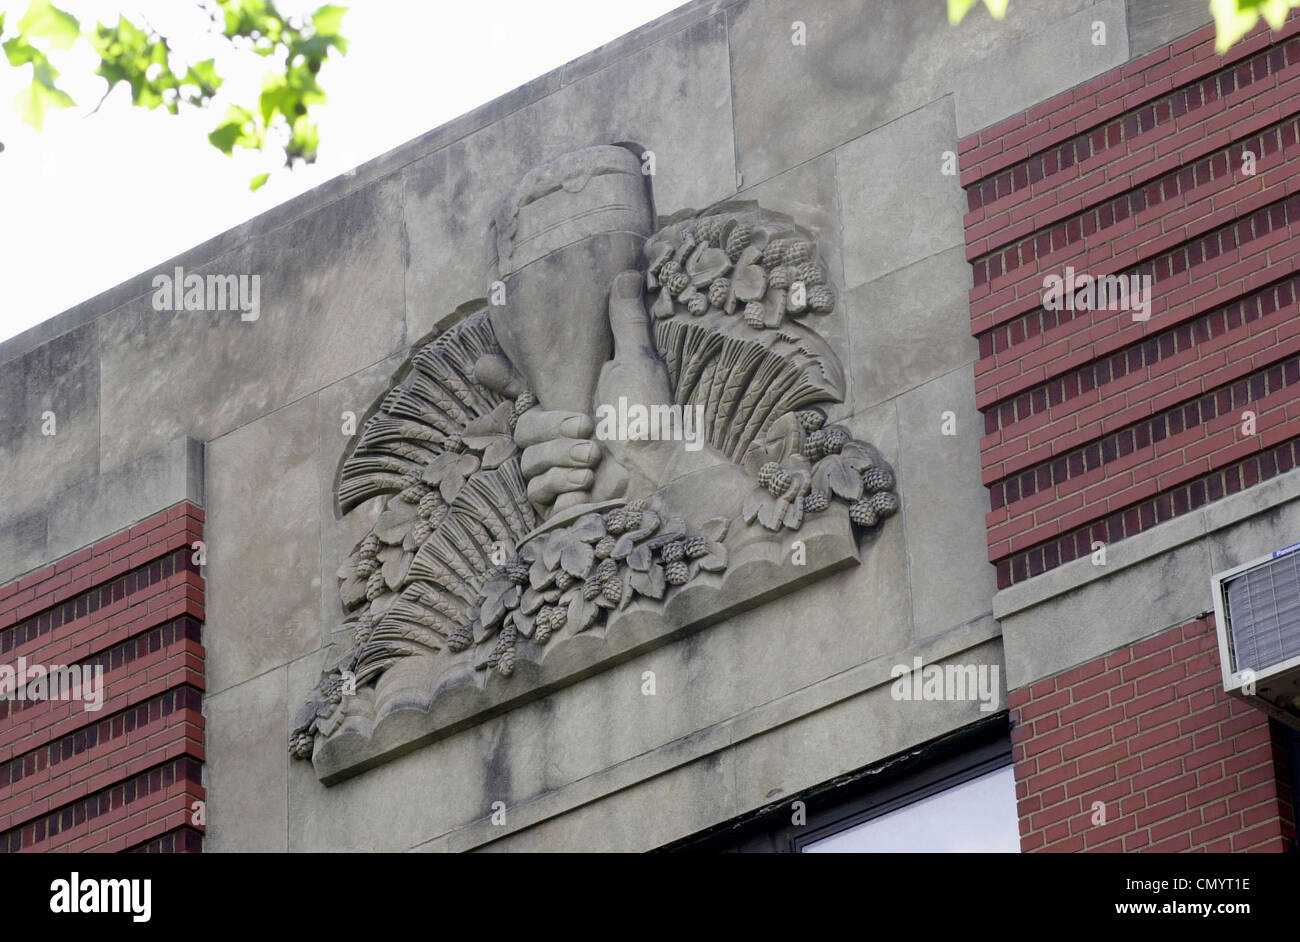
x,y
715,529
749,282
541,575
392,524
495,603
550,551
707,264
837,473
576,558
623,547
639,559
396,563
650,583
771,514
626,598
524,622
715,560
589,528
582,613
352,591
664,306
495,448
530,600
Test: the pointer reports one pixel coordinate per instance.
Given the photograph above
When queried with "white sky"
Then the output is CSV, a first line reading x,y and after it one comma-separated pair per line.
x,y
95,199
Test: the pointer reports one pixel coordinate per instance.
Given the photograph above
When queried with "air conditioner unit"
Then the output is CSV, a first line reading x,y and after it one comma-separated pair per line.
x,y
1257,613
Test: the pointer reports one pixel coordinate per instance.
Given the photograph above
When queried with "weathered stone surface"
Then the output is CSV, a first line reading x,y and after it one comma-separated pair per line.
x,y
866,63
670,98
899,207
689,797
62,377
1153,23
1081,624
604,734
951,579
809,194
244,774
119,497
853,733
1255,536
1041,65
263,533
101,505
910,327
22,545
426,793
657,30
331,303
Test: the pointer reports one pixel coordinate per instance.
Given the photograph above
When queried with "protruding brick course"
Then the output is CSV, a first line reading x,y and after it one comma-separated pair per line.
x,y
124,777
1099,425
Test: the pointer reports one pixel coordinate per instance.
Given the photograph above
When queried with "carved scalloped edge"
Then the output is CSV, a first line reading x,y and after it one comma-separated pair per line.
x,y
411,707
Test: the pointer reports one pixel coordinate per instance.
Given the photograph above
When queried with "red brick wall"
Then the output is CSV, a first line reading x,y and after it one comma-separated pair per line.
x,y
1097,425
1148,731
124,777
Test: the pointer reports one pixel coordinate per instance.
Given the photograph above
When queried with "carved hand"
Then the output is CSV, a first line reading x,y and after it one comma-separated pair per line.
x,y
562,461
636,373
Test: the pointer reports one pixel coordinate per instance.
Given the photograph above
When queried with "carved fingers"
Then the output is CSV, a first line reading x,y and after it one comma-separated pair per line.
x,y
628,320
559,453
559,456
557,482
543,425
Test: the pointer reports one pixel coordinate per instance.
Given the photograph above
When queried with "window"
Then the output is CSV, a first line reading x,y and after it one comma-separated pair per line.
x,y
952,794
976,816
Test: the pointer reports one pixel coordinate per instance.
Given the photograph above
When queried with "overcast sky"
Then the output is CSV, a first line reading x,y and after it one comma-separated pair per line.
x,y
95,199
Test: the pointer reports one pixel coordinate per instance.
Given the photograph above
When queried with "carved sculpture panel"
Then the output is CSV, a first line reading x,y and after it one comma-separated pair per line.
x,y
617,447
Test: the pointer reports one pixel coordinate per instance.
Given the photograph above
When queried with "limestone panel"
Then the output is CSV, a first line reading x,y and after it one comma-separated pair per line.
x,y
330,286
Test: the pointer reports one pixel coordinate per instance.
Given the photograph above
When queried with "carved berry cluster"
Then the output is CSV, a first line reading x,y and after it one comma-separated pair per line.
x,y
746,264
574,575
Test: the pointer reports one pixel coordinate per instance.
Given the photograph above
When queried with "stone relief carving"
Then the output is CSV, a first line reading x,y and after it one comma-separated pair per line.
x,y
515,524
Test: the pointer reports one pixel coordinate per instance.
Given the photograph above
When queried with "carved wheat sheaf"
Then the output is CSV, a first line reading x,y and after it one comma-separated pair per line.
x,y
745,383
432,404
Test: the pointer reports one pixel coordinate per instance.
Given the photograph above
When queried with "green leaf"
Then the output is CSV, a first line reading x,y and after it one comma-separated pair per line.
x,y
1233,19
20,52
45,21
257,181
328,20
32,102
204,76
234,131
957,9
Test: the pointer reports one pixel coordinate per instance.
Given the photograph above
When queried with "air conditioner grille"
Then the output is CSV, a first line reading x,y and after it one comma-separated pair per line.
x,y
1263,613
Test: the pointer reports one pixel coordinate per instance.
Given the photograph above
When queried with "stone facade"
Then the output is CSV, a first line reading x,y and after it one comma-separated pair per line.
x,y
364,691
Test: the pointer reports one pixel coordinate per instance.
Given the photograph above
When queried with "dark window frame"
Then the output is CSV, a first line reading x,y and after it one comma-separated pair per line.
x,y
860,796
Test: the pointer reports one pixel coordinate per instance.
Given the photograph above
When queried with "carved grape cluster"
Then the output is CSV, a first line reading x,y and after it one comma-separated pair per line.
x,y
804,466
301,743
723,265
